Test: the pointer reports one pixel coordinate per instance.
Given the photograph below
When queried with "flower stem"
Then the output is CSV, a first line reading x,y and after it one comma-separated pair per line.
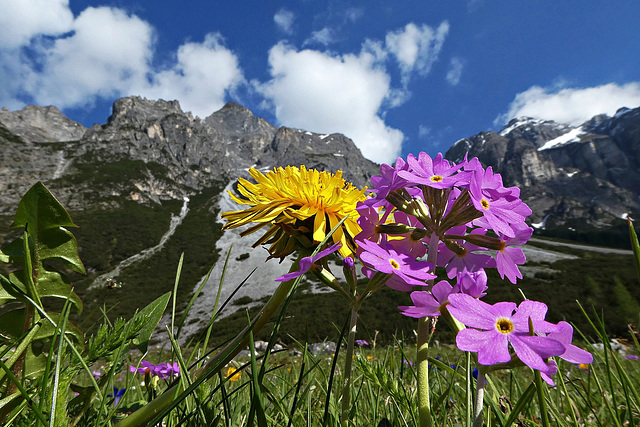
x,y
542,402
478,407
346,389
426,326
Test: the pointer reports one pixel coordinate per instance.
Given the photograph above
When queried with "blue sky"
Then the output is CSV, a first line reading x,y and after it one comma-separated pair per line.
x,y
397,77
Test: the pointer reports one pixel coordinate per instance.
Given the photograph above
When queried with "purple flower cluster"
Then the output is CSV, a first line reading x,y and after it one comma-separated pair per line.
x,y
460,217
161,370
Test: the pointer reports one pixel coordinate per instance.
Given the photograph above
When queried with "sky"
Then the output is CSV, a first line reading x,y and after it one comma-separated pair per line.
x,y
396,76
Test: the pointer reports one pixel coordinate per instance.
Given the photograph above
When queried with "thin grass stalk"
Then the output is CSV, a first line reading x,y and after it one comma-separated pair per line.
x,y
334,363
165,401
542,401
348,363
563,386
24,393
56,373
175,292
297,393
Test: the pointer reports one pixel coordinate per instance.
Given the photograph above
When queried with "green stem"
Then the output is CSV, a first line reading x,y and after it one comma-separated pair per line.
x,y
425,329
346,389
541,400
145,414
478,407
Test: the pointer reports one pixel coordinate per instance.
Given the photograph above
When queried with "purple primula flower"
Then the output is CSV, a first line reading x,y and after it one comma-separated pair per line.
x,y
386,259
386,182
161,370
496,203
306,263
362,343
145,368
572,353
474,284
631,357
508,258
436,172
96,374
464,259
492,328
427,303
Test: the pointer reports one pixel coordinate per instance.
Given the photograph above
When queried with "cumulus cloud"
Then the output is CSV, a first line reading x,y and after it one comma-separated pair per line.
x,y
571,105
322,92
416,47
24,19
204,74
284,19
455,71
105,52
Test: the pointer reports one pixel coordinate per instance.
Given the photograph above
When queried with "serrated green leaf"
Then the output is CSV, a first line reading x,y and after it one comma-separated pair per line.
x,y
12,327
152,315
42,210
50,284
59,243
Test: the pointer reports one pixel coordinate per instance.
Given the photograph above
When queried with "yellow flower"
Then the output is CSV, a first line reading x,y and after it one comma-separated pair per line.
x,y
233,374
300,206
369,356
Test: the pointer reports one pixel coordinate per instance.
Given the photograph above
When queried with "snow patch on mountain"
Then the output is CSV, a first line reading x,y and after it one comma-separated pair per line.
x,y
568,138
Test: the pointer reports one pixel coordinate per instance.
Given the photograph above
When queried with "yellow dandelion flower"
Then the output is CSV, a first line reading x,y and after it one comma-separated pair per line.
x,y
300,206
369,356
233,373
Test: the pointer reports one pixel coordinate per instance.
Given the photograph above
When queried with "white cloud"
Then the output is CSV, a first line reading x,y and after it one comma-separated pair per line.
x,y
284,19
105,52
331,93
416,48
423,131
200,80
455,71
21,20
324,37
571,105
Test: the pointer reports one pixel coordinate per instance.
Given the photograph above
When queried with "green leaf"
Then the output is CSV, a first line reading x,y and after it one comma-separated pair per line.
x,y
50,284
12,326
152,315
635,245
39,208
60,244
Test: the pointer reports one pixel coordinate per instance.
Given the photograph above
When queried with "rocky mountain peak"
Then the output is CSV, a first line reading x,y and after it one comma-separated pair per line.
x,y
41,124
237,121
136,111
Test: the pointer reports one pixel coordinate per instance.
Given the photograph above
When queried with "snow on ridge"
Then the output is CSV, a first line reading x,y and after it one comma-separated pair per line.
x,y
519,122
567,138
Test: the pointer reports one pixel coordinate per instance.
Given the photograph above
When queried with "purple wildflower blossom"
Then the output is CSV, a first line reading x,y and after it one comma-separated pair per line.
x,y
362,343
631,357
386,259
386,182
436,172
572,353
161,370
428,303
508,258
306,263
492,328
474,284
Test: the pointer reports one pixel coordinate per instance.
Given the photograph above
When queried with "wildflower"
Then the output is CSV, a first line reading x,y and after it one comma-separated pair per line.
x,y
234,374
362,343
369,356
428,303
161,370
407,363
631,357
300,206
307,262
96,374
492,328
406,271
117,394
583,366
435,173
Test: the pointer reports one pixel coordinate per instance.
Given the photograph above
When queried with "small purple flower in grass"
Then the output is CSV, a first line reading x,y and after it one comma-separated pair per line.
x,y
491,329
407,363
117,394
386,259
306,263
572,353
428,303
161,370
96,374
631,357
362,343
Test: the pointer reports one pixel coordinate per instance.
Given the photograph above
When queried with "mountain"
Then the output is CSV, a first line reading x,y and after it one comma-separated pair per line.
x,y
149,184
574,178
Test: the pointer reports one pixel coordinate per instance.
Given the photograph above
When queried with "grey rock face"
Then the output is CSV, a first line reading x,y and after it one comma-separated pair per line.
x,y
169,153
589,173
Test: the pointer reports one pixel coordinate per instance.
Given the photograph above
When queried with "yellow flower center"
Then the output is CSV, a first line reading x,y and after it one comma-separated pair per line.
x,y
394,264
504,326
485,203
436,178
